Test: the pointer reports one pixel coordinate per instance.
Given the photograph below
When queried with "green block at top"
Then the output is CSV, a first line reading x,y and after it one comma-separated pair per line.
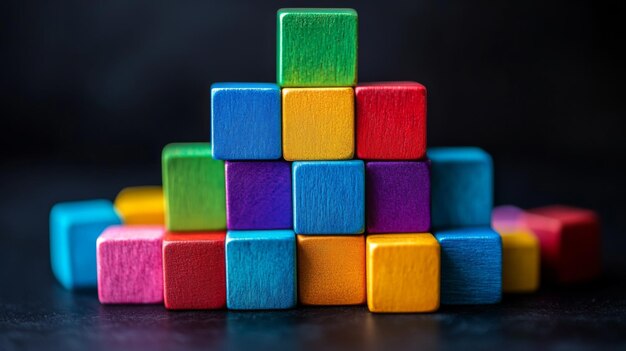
x,y
193,187
316,47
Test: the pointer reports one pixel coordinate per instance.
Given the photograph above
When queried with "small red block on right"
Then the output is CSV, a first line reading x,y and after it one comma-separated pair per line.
x,y
570,242
391,121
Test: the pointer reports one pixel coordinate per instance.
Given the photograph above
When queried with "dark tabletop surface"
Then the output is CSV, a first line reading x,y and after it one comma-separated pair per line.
x,y
36,313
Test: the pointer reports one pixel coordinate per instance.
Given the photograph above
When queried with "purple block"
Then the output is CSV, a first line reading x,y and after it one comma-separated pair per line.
x,y
258,195
398,197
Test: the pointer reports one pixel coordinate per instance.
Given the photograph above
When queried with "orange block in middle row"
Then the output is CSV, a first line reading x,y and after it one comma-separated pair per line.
x,y
331,269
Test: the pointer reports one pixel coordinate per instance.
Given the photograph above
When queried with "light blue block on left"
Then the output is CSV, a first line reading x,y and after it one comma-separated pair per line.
x,y
74,229
246,121
461,187
471,266
261,269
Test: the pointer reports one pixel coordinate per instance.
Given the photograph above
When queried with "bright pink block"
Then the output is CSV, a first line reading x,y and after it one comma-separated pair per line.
x,y
130,268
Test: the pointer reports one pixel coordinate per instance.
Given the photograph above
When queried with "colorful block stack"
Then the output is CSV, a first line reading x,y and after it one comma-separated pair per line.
x,y
277,211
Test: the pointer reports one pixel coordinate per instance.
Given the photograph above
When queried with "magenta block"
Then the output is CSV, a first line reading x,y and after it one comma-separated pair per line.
x,y
258,195
130,268
398,197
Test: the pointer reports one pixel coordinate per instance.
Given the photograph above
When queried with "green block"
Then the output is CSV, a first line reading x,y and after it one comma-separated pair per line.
x,y
316,47
193,187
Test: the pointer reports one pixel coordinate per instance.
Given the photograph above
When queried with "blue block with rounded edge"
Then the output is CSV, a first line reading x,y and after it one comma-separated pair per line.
x,y
328,197
246,121
261,269
74,229
461,187
471,266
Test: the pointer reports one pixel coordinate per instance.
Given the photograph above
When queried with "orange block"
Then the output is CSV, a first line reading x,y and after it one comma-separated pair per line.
x,y
331,269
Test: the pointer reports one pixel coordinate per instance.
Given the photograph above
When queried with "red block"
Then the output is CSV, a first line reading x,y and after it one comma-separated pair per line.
x,y
570,242
194,271
391,121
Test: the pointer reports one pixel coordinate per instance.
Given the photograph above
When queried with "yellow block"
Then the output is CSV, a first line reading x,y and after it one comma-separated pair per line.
x,y
520,262
141,205
403,272
318,123
331,269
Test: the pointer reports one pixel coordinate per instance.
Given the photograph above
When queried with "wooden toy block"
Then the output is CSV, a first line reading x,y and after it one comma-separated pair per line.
x,y
316,47
471,266
402,272
258,195
318,124
328,197
194,273
194,189
74,229
520,261
570,242
461,187
331,269
245,121
141,205
391,121
507,218
261,269
130,266
397,197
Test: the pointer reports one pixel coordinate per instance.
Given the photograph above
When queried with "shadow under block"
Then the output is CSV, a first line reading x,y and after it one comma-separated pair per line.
x,y
570,242
520,261
194,273
130,266
318,123
471,266
403,272
141,205
331,270
316,47
261,270
390,121
193,185
245,121
397,197
461,187
74,229
328,197
258,195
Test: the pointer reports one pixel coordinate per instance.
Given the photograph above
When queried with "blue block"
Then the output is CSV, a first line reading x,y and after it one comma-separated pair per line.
x,y
471,266
328,197
461,187
246,121
74,229
261,269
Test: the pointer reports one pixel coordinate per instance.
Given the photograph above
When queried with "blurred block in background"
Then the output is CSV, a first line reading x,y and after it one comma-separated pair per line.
x,y
74,229
520,261
141,205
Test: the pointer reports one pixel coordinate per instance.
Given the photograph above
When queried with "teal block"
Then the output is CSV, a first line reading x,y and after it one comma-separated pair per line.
x,y
461,187
261,270
74,229
328,197
471,266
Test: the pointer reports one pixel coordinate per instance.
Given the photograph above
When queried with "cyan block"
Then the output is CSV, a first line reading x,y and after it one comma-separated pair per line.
x,y
328,197
246,121
74,229
261,269
461,187
471,266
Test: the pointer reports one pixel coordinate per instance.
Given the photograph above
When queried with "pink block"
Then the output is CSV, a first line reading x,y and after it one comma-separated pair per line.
x,y
130,268
507,218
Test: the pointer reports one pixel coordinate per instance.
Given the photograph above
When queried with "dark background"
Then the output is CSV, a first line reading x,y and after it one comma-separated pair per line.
x,y
91,92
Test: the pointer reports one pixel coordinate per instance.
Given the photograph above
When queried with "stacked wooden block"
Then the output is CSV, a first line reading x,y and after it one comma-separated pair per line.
x,y
315,190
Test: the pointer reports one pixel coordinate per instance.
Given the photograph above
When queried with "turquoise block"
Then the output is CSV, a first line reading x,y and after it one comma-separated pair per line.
x,y
461,187
328,197
74,229
246,121
471,266
261,269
